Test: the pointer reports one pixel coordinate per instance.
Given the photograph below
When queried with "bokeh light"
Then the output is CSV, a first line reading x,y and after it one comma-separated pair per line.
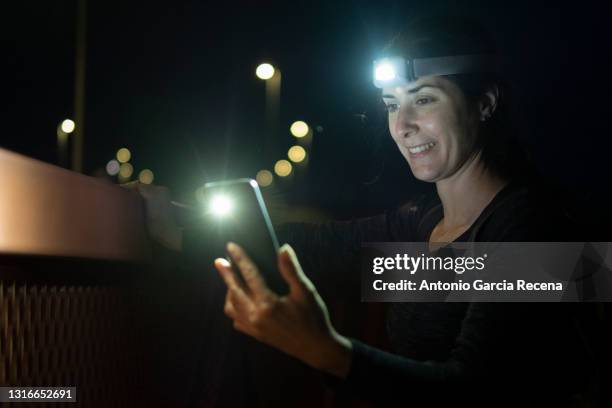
x,y
264,71
112,168
296,154
126,170
124,155
264,178
68,126
283,168
146,176
299,128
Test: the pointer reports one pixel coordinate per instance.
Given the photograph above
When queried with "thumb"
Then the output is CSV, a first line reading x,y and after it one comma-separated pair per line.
x,y
292,272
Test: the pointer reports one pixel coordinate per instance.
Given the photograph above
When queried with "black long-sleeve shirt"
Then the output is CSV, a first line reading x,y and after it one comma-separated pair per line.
x,y
479,353
450,352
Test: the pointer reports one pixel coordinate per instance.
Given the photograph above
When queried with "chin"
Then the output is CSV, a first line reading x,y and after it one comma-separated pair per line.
x,y
425,174
426,179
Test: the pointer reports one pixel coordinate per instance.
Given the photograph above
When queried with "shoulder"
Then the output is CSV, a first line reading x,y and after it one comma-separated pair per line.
x,y
528,213
407,221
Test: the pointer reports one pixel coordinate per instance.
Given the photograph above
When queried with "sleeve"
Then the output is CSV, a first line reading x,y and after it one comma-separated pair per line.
x,y
502,348
481,355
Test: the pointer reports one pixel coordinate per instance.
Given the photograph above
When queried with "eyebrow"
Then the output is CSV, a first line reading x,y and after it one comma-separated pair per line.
x,y
413,90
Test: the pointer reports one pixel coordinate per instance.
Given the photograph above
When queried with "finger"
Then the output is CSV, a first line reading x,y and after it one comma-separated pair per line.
x,y
232,307
240,299
228,306
292,272
248,270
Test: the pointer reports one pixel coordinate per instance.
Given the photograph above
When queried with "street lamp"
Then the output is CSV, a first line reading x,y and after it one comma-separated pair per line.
x,y
264,178
123,155
63,130
272,76
264,71
283,168
68,126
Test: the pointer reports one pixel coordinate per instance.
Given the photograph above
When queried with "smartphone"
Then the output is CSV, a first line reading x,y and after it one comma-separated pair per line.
x,y
235,211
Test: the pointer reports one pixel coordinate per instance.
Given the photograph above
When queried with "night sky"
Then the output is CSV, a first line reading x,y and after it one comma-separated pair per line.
x,y
174,82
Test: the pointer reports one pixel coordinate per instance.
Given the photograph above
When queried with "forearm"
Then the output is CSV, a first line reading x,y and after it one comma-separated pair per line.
x,y
333,356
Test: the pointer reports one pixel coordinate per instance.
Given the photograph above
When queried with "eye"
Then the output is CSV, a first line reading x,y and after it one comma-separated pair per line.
x,y
391,107
424,100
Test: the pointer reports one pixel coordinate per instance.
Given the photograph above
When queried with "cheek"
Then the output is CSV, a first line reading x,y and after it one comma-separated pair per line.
x,y
391,120
444,127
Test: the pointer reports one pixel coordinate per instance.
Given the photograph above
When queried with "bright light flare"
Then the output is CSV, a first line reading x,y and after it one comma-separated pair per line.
x,y
68,126
385,72
299,128
220,205
264,71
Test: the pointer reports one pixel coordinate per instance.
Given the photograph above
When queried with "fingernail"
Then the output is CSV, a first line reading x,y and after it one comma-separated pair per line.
x,y
286,248
223,262
231,247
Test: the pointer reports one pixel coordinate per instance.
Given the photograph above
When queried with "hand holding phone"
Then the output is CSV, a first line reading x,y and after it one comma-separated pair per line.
x,y
234,211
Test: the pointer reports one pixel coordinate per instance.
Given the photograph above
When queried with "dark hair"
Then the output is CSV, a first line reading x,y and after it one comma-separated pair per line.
x,y
499,139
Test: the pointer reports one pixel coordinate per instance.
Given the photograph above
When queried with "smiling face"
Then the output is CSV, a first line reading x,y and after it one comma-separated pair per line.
x,y
434,126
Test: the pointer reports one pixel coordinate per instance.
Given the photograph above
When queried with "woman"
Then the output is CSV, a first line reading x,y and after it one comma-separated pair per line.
x,y
453,131
449,131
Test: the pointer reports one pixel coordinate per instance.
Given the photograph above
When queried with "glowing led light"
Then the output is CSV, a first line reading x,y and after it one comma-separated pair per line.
x,y
296,154
112,168
146,176
68,126
264,71
385,72
299,129
220,205
264,178
123,155
283,168
126,170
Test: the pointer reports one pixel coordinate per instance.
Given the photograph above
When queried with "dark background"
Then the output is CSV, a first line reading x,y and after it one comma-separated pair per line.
x,y
174,82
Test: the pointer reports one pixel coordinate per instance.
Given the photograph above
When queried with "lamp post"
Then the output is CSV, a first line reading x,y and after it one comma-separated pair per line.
x,y
63,130
272,76
79,86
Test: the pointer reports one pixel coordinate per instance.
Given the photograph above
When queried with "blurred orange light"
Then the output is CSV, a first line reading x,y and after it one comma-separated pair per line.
x,y
297,154
283,168
264,178
146,176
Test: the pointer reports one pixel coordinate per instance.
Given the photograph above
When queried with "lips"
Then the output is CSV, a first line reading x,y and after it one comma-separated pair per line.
x,y
421,149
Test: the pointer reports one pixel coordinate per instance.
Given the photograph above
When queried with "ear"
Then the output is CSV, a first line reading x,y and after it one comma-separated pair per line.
x,y
488,102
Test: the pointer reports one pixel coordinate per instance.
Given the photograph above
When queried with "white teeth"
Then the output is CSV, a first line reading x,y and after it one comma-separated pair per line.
x,y
421,148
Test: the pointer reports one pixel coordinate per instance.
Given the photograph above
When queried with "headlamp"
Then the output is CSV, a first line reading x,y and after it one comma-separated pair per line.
x,y
395,71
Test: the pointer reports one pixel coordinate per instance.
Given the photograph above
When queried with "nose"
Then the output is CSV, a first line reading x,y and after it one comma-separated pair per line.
x,y
405,123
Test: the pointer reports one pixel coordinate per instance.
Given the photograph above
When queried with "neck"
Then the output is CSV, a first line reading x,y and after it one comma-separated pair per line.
x,y
466,193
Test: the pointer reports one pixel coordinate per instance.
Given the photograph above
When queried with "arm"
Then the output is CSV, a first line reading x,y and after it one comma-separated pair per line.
x,y
299,325
484,353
